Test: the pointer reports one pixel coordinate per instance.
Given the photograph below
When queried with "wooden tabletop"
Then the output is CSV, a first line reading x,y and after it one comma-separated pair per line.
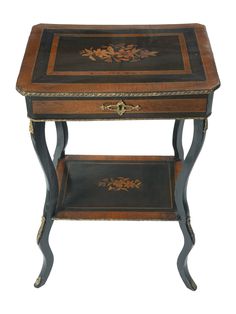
x,y
81,60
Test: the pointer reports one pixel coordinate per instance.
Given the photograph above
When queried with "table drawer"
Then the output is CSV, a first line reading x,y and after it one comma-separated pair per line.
x,y
118,108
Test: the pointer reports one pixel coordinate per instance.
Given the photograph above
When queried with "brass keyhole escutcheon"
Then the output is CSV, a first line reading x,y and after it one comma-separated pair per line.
x,y
120,108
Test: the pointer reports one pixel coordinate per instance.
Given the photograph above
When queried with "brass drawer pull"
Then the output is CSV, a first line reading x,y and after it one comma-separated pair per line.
x,y
120,108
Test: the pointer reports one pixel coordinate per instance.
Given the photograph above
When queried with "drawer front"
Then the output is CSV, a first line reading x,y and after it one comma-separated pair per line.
x,y
118,108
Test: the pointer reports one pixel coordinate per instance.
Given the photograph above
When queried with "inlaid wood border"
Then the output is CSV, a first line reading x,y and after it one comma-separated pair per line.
x,y
183,48
116,215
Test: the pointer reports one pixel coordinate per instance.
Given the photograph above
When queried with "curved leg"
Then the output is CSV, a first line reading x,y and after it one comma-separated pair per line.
x,y
200,127
38,138
177,139
62,139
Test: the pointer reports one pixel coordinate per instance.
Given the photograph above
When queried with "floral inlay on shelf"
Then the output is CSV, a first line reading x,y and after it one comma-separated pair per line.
x,y
118,53
119,184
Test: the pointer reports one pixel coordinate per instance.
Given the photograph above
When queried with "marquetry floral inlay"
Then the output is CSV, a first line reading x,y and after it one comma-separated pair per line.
x,y
119,184
118,53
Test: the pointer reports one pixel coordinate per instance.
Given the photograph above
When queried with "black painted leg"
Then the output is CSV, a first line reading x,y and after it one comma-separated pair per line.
x,y
200,127
177,139
62,139
38,138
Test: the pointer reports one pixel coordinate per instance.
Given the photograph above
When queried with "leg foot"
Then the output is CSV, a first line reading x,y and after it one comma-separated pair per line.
x,y
42,239
182,262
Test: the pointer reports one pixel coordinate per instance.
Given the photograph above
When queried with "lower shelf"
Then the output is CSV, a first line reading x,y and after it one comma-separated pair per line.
x,y
117,187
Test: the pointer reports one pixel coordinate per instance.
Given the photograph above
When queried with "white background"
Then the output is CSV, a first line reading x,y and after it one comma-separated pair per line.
x,y
117,267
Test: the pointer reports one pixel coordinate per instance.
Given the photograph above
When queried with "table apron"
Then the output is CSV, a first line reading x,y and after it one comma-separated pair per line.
x,y
131,108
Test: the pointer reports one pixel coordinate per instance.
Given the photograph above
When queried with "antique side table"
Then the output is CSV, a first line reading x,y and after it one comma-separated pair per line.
x,y
81,72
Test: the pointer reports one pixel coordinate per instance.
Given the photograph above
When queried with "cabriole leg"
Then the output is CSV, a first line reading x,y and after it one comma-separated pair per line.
x,y
37,130
200,127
